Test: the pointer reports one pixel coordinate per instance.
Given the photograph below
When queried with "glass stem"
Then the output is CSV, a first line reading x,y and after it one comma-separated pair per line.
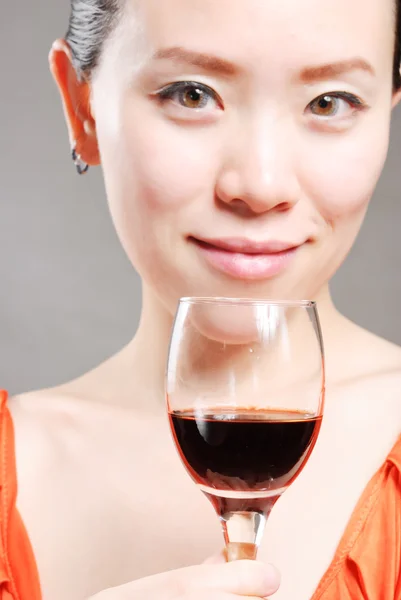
x,y
243,532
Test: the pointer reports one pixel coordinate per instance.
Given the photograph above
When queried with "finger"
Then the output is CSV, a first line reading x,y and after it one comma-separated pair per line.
x,y
243,577
240,578
211,595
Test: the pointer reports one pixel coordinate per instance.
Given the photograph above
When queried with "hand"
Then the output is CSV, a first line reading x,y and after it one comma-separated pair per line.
x,y
229,581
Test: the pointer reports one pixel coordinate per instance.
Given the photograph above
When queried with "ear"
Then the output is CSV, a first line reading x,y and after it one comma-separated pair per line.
x,y
75,94
396,98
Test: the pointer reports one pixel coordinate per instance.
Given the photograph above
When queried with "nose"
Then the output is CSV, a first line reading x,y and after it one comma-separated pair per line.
x,y
258,172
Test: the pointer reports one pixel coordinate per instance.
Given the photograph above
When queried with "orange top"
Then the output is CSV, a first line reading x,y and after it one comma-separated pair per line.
x,y
366,566
19,579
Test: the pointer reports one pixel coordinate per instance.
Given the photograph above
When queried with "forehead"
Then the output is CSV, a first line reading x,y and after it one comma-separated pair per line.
x,y
278,30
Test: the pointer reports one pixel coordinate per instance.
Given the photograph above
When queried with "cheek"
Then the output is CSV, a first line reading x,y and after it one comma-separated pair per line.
x,y
164,166
158,176
342,172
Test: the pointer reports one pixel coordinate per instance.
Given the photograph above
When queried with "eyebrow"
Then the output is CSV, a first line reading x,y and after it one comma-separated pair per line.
x,y
330,71
208,62
221,66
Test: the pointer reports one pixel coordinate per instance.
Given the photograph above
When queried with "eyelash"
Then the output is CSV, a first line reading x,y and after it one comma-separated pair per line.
x,y
356,103
168,92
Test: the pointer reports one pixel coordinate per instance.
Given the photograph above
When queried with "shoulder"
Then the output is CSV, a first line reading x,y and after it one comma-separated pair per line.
x,y
361,356
40,420
50,428
381,361
51,460
379,371
364,380
55,430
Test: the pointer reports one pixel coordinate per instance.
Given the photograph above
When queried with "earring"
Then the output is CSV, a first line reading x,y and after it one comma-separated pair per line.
x,y
81,166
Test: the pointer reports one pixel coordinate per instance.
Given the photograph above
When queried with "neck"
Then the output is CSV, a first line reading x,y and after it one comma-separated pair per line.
x,y
146,355
149,347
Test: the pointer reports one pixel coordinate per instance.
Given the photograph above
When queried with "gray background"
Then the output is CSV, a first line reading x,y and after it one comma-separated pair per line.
x,y
68,297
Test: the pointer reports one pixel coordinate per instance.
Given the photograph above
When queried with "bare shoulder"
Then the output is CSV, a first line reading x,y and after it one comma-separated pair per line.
x,y
63,453
368,384
364,377
385,352
46,420
39,406
59,430
381,381
367,356
383,358
43,422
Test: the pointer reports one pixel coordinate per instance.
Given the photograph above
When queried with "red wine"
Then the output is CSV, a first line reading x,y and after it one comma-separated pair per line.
x,y
244,453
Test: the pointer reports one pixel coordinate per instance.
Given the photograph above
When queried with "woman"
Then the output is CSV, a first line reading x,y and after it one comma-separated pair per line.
x,y
241,142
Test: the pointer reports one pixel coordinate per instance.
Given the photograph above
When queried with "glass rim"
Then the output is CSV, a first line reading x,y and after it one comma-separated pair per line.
x,y
247,301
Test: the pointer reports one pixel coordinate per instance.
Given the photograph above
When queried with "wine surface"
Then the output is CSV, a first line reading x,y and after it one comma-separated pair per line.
x,y
241,450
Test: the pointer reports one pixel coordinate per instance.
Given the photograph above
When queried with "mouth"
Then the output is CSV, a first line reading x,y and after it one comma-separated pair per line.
x,y
246,259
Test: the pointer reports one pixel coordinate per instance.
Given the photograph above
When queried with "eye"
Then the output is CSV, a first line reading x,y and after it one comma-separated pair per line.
x,y
338,104
190,94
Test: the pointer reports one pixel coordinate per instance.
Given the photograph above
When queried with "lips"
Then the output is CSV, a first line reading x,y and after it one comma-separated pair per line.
x,y
246,259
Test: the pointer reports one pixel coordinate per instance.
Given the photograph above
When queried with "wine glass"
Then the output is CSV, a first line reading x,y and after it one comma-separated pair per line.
x,y
245,395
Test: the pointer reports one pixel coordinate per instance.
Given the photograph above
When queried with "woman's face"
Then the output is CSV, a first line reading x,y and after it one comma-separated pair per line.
x,y
241,140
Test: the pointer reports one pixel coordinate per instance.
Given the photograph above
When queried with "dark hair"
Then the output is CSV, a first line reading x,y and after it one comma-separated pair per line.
x,y
92,21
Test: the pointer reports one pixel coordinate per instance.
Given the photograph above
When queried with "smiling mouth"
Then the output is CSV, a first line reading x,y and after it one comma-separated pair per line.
x,y
245,259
